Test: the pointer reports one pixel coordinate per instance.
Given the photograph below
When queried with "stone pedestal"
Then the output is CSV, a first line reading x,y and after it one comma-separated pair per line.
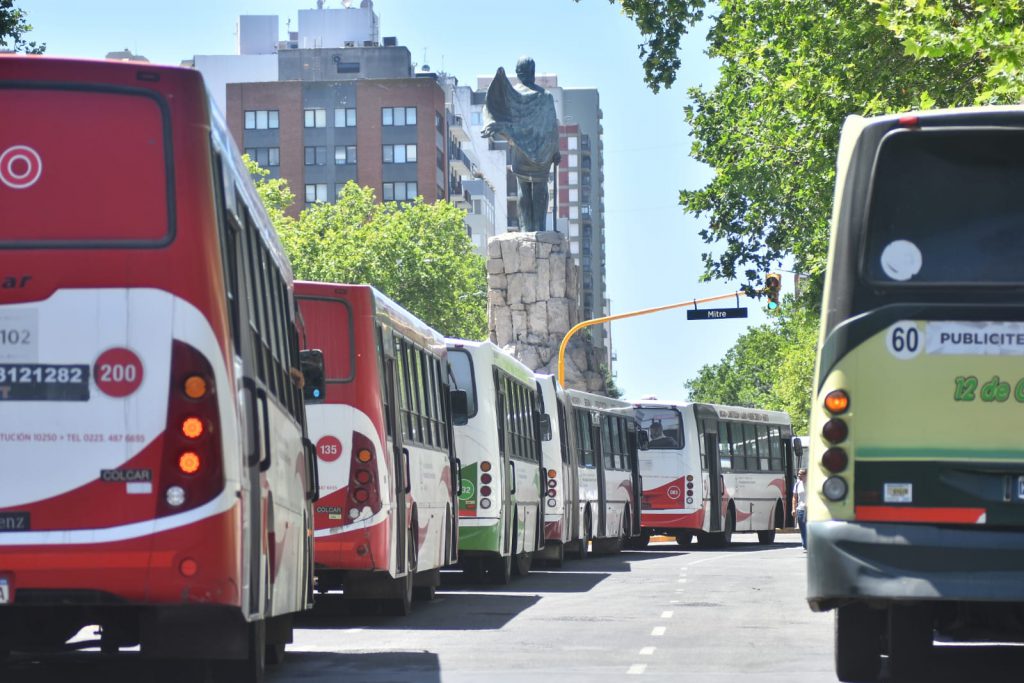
x,y
533,300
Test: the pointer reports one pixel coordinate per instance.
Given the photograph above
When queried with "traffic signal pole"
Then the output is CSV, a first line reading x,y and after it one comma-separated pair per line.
x,y
608,318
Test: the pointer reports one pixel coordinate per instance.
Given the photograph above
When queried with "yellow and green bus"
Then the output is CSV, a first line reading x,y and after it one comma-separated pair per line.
x,y
915,491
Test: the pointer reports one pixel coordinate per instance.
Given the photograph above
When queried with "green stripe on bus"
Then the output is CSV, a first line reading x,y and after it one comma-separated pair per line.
x,y
484,538
936,454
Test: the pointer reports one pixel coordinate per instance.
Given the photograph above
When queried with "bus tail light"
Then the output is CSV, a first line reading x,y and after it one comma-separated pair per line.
x,y
835,460
835,488
835,430
837,402
363,483
191,470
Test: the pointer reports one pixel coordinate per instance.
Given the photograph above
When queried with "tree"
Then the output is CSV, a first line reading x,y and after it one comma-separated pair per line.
x,y
418,254
12,27
791,71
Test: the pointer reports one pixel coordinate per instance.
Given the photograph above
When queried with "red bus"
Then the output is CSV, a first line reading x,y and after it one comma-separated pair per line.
x,y
378,410
155,479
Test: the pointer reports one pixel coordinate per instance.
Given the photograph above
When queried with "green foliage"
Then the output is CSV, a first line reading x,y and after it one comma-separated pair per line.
x,y
770,367
12,27
418,254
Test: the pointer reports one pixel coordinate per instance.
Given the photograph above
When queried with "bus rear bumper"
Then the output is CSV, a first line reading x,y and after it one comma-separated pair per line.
x,y
911,562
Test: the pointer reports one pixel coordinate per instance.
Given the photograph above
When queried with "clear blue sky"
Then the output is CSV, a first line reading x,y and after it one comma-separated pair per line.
x,y
653,247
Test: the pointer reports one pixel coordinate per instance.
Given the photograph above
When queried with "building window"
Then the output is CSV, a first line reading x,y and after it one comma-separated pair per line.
x,y
438,122
574,178
347,67
574,160
574,142
477,208
399,192
265,156
475,119
574,229
345,155
574,212
261,119
316,193
399,154
315,118
316,156
574,195
398,116
344,118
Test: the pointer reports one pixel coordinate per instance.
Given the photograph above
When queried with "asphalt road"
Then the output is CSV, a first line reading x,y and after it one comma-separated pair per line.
x,y
663,614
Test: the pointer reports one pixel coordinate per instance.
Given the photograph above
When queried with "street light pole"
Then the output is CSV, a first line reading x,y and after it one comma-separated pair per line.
x,y
608,318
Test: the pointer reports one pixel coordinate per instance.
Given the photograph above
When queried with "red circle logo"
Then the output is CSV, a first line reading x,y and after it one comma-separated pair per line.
x,y
328,448
20,167
674,492
118,372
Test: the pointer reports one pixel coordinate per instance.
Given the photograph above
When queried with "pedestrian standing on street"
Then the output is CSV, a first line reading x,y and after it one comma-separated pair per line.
x,y
800,504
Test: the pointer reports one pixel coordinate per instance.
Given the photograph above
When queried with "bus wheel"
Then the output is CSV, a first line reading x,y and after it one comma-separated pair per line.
x,y
500,571
474,570
858,645
253,667
583,545
642,541
684,538
766,537
730,526
559,559
910,642
402,605
425,585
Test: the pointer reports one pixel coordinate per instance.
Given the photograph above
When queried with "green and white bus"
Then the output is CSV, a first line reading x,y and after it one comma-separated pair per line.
x,y
498,431
916,468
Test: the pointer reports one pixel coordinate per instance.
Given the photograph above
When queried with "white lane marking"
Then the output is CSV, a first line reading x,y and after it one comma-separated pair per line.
x,y
673,602
647,651
667,614
658,631
682,580
636,669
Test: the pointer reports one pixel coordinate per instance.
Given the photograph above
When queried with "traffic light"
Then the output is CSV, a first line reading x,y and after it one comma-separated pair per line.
x,y
772,285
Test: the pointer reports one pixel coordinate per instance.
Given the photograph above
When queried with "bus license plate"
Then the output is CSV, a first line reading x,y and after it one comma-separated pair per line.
x,y
35,382
5,592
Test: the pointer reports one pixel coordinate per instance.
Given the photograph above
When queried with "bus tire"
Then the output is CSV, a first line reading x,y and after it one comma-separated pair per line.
x,y
911,634
500,571
253,668
559,559
766,537
684,538
521,560
401,606
858,645
583,545
642,541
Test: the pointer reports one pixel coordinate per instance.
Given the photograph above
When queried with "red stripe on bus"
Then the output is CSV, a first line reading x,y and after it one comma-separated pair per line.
x,y
890,513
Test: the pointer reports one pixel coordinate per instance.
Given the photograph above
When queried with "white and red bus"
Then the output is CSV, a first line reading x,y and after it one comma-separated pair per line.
x,y
608,473
711,470
378,412
155,479
563,515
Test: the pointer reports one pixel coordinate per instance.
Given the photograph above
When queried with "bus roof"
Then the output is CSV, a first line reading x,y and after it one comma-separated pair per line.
x,y
383,307
495,355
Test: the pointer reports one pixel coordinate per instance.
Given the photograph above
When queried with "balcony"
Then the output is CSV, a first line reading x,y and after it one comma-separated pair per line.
x,y
460,163
457,129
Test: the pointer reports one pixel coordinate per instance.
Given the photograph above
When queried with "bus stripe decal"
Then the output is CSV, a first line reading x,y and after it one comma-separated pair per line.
x,y
884,513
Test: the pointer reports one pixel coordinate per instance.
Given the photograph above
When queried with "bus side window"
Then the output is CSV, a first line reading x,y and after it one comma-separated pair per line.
x,y
583,437
563,431
775,449
724,446
750,439
606,443
762,447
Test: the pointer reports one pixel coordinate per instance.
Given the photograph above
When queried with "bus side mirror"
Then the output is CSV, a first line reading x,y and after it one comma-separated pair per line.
x,y
798,452
460,406
642,440
544,421
312,363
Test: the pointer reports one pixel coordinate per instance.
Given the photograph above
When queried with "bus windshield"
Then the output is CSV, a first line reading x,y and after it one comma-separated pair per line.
x,y
947,207
662,426
53,143
460,374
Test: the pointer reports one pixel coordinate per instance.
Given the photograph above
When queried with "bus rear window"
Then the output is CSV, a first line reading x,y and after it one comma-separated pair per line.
x,y
328,325
83,168
947,207
460,377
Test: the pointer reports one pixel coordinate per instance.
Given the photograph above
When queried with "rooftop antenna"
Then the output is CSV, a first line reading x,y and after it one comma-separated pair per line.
x,y
319,4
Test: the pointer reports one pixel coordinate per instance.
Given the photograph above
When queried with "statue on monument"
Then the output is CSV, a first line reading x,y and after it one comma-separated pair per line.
x,y
524,114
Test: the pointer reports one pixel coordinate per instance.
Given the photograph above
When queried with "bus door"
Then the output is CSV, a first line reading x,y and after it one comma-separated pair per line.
x,y
598,425
399,453
790,466
508,468
570,469
254,399
716,487
635,478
